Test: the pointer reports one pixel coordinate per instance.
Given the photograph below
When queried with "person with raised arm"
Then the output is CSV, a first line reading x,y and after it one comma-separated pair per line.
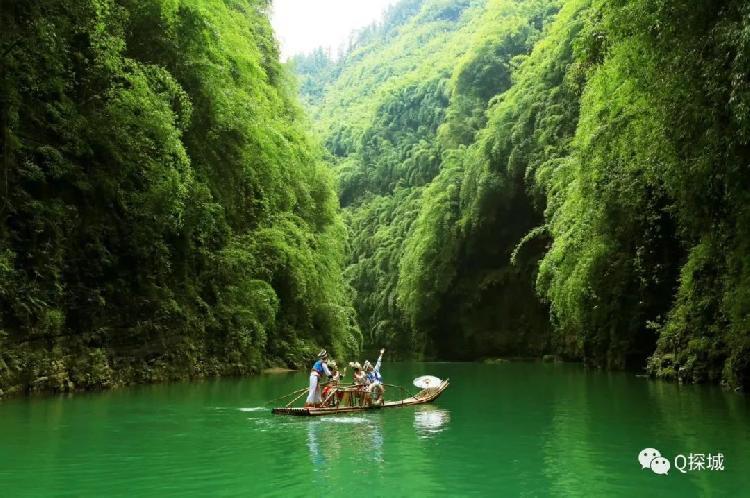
x,y
375,380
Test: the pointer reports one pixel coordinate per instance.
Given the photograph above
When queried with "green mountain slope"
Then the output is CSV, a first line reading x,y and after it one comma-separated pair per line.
x,y
164,213
398,109
561,177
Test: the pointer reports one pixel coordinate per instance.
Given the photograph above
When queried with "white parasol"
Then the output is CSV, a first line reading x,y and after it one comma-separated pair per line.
x,y
427,381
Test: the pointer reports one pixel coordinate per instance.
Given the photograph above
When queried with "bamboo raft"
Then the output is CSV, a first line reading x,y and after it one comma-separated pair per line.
x,y
424,396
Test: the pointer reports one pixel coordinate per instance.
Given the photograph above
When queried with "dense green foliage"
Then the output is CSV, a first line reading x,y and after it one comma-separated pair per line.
x,y
541,176
527,177
162,213
397,111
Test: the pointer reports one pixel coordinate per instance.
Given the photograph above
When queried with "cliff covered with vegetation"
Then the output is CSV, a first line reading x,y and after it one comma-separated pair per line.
x,y
517,178
548,176
163,212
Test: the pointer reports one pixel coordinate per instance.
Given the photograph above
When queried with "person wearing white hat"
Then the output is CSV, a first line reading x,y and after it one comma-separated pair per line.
x,y
329,398
358,376
359,380
319,368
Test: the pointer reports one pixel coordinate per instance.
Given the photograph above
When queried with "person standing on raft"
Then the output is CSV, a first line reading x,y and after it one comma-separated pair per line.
x,y
319,368
374,379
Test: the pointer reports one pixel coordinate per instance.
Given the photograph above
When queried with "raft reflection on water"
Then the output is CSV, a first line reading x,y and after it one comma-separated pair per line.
x,y
430,420
328,437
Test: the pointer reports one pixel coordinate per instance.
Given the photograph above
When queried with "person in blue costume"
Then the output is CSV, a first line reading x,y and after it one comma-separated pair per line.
x,y
319,368
375,380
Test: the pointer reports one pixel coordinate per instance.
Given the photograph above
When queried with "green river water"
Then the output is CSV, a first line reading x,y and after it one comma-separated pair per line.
x,y
510,429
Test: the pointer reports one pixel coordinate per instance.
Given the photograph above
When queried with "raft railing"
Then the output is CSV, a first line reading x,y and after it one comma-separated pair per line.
x,y
350,388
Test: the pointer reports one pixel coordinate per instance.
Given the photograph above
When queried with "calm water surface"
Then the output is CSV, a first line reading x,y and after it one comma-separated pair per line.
x,y
513,429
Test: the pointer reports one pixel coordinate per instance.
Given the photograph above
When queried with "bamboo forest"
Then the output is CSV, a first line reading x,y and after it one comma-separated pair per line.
x,y
470,179
396,247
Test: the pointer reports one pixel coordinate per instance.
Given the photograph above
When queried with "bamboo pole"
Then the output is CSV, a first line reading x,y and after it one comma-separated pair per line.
x,y
392,385
287,395
298,397
301,392
329,397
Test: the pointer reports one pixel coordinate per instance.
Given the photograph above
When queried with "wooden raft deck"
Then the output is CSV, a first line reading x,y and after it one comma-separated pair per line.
x,y
423,396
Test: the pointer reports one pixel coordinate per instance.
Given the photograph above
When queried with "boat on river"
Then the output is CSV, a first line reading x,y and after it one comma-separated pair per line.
x,y
348,402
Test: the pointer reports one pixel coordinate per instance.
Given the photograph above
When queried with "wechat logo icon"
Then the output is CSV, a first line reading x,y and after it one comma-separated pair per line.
x,y
650,458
